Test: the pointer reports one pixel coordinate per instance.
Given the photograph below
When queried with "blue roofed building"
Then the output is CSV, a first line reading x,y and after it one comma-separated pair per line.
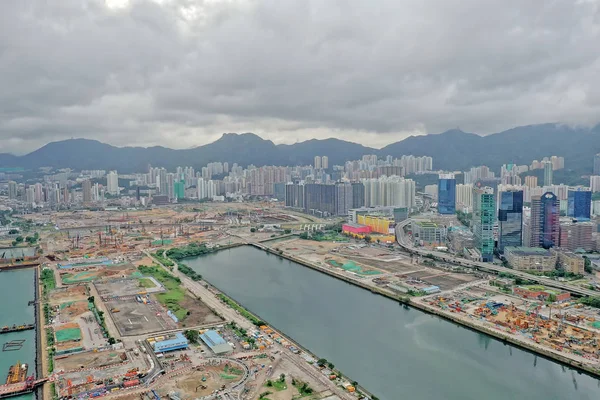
x,y
215,342
177,343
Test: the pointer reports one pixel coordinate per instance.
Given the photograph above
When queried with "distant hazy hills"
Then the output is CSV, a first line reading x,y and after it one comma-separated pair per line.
x,y
451,150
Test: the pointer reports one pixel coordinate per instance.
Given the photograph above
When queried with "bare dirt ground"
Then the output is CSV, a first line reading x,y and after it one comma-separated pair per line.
x,y
70,293
200,314
89,360
191,385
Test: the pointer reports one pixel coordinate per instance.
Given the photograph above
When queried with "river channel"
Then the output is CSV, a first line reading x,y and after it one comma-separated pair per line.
x,y
16,290
394,352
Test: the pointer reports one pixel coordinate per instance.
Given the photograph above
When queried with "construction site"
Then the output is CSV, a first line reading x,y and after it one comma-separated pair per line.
x,y
558,327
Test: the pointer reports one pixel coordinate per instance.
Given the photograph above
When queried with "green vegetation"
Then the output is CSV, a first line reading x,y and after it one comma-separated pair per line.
x,y
590,301
99,317
191,250
557,273
174,292
464,218
48,281
190,273
164,261
146,283
51,350
278,385
245,313
192,335
587,262
302,387
263,395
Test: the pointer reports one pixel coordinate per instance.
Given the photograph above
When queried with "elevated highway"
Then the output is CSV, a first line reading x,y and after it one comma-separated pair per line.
x,y
407,245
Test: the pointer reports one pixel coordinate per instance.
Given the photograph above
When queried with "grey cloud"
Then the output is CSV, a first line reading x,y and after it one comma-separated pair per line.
x,y
180,72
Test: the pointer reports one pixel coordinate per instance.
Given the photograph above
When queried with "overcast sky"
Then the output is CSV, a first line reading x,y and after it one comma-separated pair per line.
x,y
179,73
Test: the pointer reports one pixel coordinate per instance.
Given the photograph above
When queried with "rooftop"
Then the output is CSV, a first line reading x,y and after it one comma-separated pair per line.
x,y
527,251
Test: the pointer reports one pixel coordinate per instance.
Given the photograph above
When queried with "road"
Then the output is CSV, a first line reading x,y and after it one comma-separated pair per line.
x,y
406,244
229,314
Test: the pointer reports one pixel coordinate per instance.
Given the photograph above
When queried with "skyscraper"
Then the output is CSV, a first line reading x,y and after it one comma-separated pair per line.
x,y
358,195
510,219
548,173
86,187
544,223
484,216
317,162
464,196
579,203
343,198
447,194
597,164
179,189
112,182
12,190
325,162
531,181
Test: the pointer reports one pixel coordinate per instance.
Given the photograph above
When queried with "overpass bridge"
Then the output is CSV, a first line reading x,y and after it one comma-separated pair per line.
x,y
406,244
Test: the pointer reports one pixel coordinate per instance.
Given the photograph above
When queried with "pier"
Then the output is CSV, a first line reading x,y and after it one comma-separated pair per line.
x,y
17,328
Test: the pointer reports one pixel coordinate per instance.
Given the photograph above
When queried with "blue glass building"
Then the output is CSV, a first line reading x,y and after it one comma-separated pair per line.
x,y
447,194
510,220
579,203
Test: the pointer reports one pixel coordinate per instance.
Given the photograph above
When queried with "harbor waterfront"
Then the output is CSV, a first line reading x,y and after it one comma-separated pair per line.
x,y
17,289
388,349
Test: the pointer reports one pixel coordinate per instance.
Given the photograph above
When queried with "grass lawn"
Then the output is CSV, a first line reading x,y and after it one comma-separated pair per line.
x,y
147,283
279,386
174,294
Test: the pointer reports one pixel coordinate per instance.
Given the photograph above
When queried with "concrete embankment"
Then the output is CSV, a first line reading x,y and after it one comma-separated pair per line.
x,y
502,336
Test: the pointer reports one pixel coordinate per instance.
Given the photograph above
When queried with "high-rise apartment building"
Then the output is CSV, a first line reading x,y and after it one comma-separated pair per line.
x,y
484,217
343,198
318,162
597,164
595,183
544,221
464,196
358,195
86,188
294,195
179,189
389,191
548,173
531,181
579,204
12,190
325,162
320,198
510,219
447,194
112,183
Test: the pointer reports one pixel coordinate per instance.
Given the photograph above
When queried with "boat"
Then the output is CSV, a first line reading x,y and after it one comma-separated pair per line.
x,y
17,373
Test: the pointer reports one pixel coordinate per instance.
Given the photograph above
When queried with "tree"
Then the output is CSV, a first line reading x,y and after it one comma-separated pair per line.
x,y
330,365
321,362
354,383
19,239
587,265
111,340
13,231
367,239
91,299
287,231
192,335
304,235
282,378
252,230
269,383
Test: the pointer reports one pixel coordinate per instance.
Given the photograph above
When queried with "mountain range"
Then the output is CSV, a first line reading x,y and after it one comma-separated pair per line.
x,y
451,150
